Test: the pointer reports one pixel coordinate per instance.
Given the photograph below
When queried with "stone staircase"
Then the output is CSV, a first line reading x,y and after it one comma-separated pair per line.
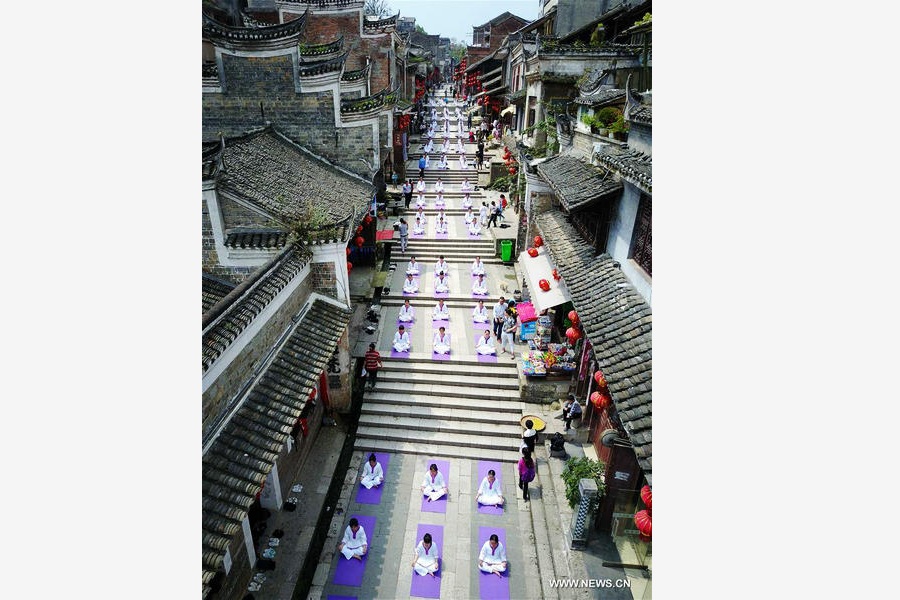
x,y
458,408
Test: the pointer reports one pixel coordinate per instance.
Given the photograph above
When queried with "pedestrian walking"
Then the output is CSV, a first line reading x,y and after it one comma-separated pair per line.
x,y
407,192
372,364
494,214
509,332
404,233
529,438
526,472
422,164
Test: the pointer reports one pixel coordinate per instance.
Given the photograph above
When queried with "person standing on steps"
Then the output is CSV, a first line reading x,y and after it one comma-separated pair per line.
x,y
407,193
509,330
404,233
372,364
499,316
530,435
493,214
526,472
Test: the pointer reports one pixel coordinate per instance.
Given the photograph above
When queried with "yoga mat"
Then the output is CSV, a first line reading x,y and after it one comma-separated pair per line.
x,y
474,236
373,496
333,597
490,586
482,326
411,294
350,572
440,323
486,358
426,586
440,505
443,295
436,356
395,354
407,325
483,467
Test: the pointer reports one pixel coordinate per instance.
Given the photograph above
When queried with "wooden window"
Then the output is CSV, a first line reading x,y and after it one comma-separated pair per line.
x,y
641,249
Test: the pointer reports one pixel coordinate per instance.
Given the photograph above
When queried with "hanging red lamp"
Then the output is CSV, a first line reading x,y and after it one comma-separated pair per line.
x,y
348,251
573,316
599,379
359,241
359,229
532,252
556,275
512,170
538,241
572,335
647,496
600,400
544,285
349,266
644,522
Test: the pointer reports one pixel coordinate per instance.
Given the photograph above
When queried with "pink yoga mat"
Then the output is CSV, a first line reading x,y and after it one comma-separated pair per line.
x,y
350,572
426,586
440,505
483,467
373,496
490,586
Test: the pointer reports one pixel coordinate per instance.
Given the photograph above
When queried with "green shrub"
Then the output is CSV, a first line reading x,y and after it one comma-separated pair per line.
x,y
608,115
583,468
619,126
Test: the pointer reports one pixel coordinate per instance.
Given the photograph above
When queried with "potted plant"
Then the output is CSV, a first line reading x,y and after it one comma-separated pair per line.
x,y
618,129
595,123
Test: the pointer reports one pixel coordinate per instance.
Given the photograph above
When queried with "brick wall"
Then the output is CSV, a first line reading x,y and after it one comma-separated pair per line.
x,y
237,215
241,368
323,278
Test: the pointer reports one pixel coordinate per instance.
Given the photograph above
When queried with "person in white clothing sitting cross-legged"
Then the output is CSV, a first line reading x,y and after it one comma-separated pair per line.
x,y
407,312
492,558
433,486
354,545
441,341
479,287
426,561
485,344
480,313
401,340
489,493
372,474
477,266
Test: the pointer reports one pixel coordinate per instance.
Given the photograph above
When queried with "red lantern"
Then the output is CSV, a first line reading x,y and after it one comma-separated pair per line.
x,y
538,241
359,229
348,251
644,522
647,496
359,241
532,252
573,316
512,170
349,266
600,400
367,220
572,335
556,275
544,285
600,379
313,394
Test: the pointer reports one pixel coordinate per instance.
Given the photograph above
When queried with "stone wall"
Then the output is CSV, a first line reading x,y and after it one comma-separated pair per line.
x,y
322,276
236,374
211,256
356,143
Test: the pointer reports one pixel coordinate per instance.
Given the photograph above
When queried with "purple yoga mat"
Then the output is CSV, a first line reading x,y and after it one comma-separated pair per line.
x,y
333,597
395,354
410,295
483,467
482,326
426,586
407,325
490,586
474,237
443,295
440,323
350,572
436,356
440,505
442,236
487,358
373,496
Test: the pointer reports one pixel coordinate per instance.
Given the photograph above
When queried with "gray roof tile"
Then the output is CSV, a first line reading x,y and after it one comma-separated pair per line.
x,y
576,183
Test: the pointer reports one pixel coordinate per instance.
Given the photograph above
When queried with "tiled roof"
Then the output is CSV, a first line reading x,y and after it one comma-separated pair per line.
x,y
268,170
642,114
214,289
634,166
227,326
601,97
577,183
240,458
618,323
256,239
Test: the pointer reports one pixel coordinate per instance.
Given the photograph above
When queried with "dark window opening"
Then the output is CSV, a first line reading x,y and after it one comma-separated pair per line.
x,y
641,247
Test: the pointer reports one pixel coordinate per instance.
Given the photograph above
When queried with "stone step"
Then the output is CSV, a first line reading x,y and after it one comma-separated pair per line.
x,y
369,444
498,369
448,392
392,398
423,254
411,426
438,442
473,380
455,414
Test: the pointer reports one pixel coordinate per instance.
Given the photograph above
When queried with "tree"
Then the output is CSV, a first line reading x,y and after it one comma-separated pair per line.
x,y
457,51
420,29
378,8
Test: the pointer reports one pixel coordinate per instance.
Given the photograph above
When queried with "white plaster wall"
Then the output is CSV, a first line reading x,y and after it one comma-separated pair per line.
x,y
619,242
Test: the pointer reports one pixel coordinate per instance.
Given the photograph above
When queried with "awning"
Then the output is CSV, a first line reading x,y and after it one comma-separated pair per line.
x,y
511,109
537,268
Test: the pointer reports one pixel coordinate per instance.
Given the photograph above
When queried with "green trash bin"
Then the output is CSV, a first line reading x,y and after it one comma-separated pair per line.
x,y
506,250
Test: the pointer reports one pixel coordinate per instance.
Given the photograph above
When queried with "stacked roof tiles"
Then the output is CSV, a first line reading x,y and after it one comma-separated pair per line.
x,y
577,183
